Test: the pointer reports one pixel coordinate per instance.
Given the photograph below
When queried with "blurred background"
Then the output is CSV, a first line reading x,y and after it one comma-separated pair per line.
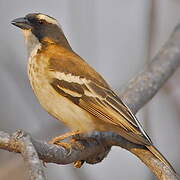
x,y
118,38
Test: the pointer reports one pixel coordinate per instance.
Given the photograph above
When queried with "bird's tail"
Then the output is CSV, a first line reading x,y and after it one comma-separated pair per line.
x,y
158,155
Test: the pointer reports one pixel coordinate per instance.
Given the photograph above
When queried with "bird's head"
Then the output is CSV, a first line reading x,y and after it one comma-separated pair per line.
x,y
42,27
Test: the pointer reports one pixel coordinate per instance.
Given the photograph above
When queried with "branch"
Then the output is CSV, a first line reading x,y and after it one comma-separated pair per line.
x,y
21,142
95,146
145,85
56,154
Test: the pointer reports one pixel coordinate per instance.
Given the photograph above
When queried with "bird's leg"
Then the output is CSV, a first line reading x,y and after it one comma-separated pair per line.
x,y
56,140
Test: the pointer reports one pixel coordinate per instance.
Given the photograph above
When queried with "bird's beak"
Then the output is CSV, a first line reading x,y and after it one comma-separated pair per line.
x,y
22,23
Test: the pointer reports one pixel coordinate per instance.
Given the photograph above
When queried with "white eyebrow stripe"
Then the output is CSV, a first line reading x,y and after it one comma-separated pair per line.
x,y
47,18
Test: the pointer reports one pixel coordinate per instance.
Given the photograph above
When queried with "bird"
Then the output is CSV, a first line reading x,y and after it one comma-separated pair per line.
x,y
71,90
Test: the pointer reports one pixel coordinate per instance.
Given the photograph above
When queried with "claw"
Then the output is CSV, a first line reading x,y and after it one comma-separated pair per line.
x,y
78,164
65,146
44,164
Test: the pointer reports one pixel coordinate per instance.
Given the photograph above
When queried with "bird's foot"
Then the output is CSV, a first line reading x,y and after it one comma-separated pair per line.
x,y
78,164
57,140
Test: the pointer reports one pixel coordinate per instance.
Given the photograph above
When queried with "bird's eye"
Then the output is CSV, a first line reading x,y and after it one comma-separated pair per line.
x,y
40,22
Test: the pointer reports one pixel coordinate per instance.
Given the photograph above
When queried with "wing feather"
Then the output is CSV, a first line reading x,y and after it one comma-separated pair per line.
x,y
104,104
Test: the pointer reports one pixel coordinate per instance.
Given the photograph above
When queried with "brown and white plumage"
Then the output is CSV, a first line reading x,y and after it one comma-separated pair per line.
x,y
72,91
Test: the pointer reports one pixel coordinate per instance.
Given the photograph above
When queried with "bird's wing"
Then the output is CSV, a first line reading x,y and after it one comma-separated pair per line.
x,y
73,78
102,103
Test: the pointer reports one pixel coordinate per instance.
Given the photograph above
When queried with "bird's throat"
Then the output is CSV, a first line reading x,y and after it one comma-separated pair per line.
x,y
32,43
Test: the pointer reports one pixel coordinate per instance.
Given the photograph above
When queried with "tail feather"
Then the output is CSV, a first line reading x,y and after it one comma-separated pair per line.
x,y
160,156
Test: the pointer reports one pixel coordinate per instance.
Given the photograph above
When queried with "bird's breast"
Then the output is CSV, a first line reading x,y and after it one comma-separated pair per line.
x,y
57,105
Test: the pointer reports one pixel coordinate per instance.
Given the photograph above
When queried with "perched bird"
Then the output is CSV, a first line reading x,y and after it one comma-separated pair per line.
x,y
71,90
